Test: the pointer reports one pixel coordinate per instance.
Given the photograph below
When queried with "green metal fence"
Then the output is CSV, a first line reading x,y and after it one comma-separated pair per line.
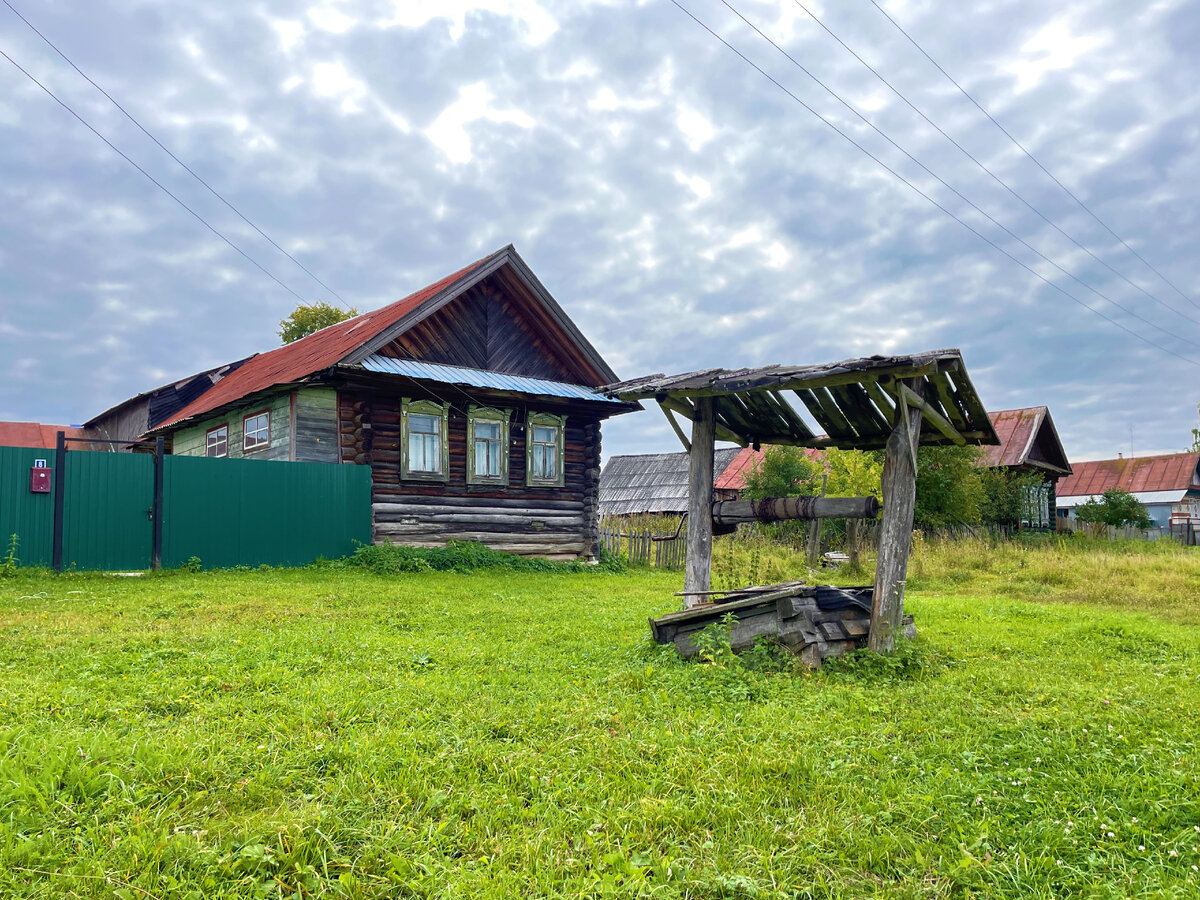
x,y
225,512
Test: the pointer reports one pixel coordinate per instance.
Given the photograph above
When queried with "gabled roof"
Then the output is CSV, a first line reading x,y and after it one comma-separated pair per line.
x,y
1172,472
34,434
651,482
352,341
1027,438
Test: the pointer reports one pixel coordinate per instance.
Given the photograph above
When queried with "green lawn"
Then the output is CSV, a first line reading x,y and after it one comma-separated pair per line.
x,y
336,733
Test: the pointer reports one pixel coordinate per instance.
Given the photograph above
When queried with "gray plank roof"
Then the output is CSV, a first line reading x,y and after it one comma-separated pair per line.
x,y
651,482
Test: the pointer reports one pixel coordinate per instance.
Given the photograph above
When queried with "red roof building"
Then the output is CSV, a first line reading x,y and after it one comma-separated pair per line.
x,y
35,434
1176,472
1028,441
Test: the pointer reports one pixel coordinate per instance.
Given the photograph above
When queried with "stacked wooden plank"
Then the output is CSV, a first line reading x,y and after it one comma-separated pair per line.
x,y
813,621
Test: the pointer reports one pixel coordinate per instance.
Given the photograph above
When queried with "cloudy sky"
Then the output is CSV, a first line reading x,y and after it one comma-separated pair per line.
x,y
683,209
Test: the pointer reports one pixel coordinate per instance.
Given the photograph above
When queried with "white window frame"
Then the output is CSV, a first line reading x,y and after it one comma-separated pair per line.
x,y
440,411
210,444
559,424
487,415
248,447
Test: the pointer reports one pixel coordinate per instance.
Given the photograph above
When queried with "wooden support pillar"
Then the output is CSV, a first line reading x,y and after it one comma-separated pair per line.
x,y
698,573
895,532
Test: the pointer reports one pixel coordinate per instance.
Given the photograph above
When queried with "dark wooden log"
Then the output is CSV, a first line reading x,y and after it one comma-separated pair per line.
x,y
895,533
698,570
735,512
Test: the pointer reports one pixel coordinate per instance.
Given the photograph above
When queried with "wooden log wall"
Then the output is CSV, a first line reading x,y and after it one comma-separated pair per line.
x,y
554,522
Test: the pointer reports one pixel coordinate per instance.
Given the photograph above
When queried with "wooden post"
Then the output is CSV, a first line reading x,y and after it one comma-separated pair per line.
x,y
895,533
698,573
852,542
814,531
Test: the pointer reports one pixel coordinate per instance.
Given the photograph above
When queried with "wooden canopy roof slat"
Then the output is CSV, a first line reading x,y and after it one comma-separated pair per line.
x,y
731,412
948,399
854,400
789,414
766,411
826,413
854,396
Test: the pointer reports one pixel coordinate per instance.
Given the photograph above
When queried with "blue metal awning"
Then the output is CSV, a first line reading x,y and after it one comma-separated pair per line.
x,y
481,378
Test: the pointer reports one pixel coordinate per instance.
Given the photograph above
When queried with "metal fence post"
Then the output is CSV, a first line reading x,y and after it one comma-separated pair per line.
x,y
60,480
157,513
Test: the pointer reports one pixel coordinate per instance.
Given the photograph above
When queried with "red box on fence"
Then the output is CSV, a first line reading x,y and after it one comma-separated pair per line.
x,y
39,481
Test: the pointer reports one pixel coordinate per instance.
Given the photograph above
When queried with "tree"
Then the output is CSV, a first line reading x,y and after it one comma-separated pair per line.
x,y
1116,508
784,472
949,487
309,317
1196,435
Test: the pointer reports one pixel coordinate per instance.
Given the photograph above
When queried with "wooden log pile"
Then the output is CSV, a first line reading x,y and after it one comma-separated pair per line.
x,y
813,621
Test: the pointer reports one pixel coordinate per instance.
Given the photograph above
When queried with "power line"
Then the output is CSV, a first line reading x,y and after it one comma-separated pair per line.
x,y
895,90
184,165
153,180
954,190
1033,158
926,196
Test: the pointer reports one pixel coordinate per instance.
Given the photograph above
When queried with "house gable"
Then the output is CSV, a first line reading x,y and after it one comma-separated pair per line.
x,y
485,329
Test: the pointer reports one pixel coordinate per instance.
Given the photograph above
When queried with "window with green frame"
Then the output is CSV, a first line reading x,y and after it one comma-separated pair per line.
x,y
423,451
544,449
487,445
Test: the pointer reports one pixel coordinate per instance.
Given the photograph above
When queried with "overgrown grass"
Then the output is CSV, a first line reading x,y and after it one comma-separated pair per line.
x,y
334,732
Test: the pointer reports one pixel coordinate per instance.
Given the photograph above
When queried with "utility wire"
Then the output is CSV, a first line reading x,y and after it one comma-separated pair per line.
x,y
895,90
926,196
954,190
1033,158
184,165
153,180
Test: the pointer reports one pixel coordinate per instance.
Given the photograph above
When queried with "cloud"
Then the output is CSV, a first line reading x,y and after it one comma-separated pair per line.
x,y
683,210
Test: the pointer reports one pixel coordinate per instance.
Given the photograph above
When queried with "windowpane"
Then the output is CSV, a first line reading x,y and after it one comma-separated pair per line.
x,y
543,452
424,449
217,442
423,424
256,431
488,450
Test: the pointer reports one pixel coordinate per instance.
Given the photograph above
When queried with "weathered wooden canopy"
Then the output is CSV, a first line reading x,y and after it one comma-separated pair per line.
x,y
854,401
878,402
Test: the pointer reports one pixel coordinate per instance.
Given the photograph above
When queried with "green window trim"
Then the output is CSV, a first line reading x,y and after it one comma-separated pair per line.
x,y
422,446
544,458
487,434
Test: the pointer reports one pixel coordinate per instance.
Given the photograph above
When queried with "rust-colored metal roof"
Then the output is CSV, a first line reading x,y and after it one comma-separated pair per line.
x,y
34,434
317,351
734,476
1173,472
1019,431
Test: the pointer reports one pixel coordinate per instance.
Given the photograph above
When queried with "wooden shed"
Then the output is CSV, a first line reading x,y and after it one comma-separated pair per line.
x,y
473,401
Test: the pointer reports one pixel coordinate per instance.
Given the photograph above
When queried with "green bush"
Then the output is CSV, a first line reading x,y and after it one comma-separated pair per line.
x,y
456,556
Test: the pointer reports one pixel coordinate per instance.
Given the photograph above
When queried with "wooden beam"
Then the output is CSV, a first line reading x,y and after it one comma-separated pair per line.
x,y
935,418
684,408
698,571
675,425
895,533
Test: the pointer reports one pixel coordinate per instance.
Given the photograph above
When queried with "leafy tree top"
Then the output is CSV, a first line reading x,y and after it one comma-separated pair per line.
x,y
1116,508
310,317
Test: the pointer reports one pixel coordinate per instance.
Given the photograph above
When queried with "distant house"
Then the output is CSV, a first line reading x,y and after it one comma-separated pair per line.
x,y
35,435
1168,486
472,400
654,483
1029,443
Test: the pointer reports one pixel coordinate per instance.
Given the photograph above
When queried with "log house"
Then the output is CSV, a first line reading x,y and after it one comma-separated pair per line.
x,y
473,401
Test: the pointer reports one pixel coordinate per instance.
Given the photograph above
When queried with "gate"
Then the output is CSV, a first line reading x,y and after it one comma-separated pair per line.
x,y
135,511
